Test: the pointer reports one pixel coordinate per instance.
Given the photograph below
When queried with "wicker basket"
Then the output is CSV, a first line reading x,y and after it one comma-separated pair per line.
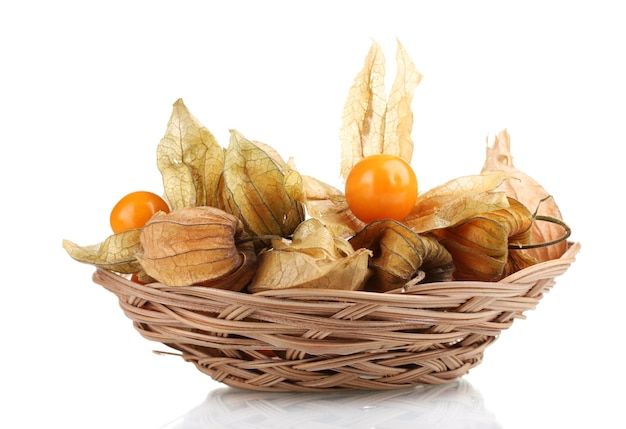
x,y
320,340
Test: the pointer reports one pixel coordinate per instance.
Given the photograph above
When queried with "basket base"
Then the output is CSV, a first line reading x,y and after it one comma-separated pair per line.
x,y
382,370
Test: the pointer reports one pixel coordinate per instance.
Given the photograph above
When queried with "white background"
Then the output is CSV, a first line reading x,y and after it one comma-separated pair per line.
x,y
86,89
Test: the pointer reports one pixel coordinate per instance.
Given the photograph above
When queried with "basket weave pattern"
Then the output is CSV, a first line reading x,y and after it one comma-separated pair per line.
x,y
319,340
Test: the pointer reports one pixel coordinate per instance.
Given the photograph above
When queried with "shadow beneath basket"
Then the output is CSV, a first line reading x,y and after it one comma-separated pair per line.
x,y
456,404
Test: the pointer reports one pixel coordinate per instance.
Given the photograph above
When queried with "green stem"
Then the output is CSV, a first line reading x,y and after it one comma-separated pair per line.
x,y
550,219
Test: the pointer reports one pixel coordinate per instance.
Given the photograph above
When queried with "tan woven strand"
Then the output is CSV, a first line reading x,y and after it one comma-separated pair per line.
x,y
318,340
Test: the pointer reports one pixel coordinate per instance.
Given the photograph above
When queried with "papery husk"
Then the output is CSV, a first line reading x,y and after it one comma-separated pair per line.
x,y
480,245
266,195
530,193
371,123
313,258
399,255
238,279
457,200
399,115
196,246
329,205
116,253
363,119
190,161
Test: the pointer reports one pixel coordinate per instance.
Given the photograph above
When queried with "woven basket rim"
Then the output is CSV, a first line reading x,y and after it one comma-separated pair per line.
x,y
553,268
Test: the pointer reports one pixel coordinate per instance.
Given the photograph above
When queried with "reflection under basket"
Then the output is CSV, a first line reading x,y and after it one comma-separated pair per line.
x,y
427,406
320,340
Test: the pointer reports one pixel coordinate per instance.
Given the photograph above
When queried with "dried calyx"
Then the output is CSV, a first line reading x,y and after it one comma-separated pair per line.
x,y
197,246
